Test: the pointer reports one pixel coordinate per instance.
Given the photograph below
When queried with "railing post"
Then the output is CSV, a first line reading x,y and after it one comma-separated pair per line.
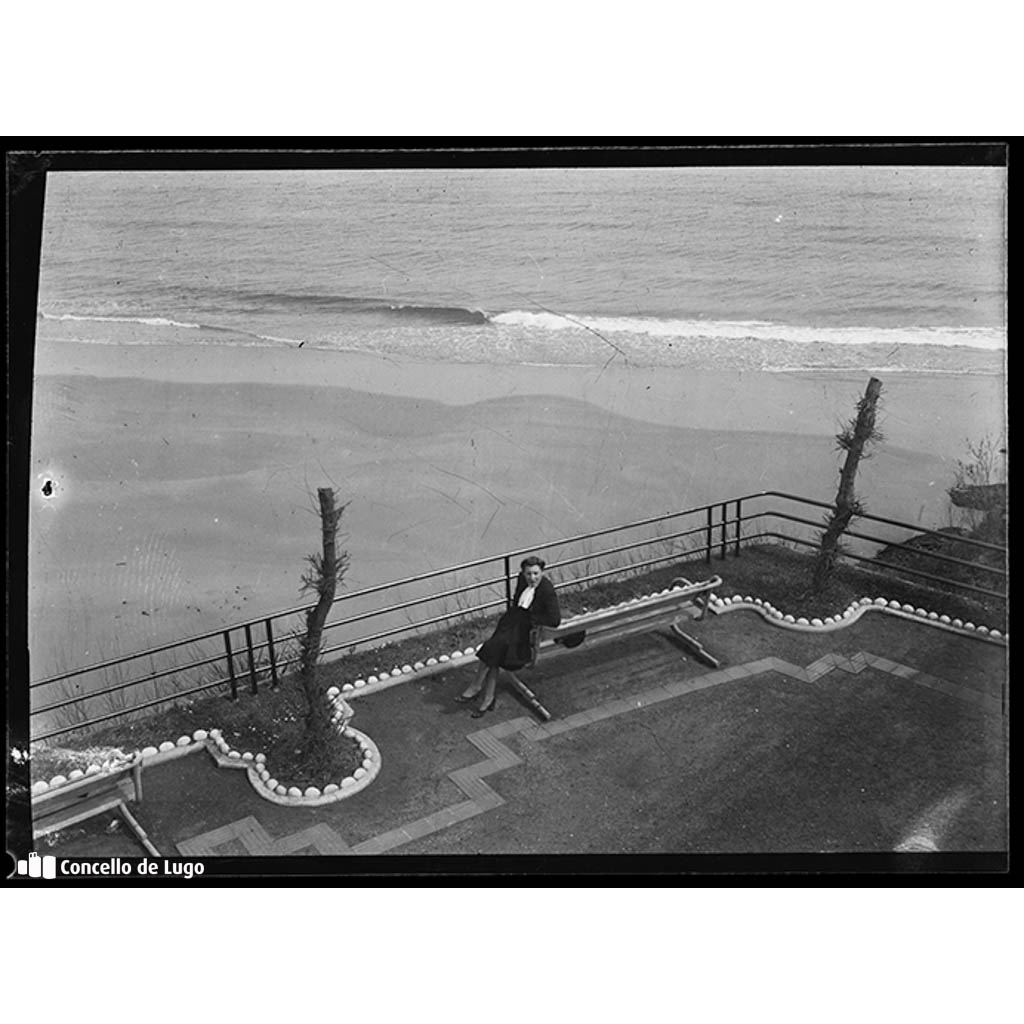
x,y
231,664
508,581
739,521
252,661
270,651
725,517
707,546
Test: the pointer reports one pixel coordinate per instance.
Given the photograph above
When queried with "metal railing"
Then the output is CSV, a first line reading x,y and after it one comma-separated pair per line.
x,y
241,658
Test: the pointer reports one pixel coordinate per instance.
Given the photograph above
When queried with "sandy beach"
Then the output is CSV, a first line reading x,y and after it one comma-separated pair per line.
x,y
181,476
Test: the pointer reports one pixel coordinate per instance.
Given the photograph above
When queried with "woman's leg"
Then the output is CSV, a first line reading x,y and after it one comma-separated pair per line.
x,y
474,688
490,688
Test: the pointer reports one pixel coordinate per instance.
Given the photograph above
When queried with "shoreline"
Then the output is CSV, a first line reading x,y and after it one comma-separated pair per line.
x,y
804,401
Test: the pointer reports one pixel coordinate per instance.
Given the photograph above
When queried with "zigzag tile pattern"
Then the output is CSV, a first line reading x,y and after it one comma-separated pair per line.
x,y
480,797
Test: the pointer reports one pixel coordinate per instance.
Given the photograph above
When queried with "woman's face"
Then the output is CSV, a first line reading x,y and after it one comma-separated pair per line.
x,y
533,574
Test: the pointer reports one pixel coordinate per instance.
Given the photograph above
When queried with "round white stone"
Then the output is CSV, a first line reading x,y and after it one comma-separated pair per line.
x,y
333,692
944,619
431,661
184,741
331,787
865,600
271,783
469,652
199,735
234,754
933,616
260,758
359,773
294,791
349,686
264,775
818,622
347,781
95,769
40,787
418,665
802,622
371,680
215,733
406,669
247,756
881,601
311,791
444,657
907,608
969,625
360,683
788,618
149,751
995,633
166,745
921,612
58,780
894,604
983,629
77,773
281,791
958,623
368,763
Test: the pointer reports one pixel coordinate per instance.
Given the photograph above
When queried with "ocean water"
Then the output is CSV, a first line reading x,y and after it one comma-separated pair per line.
x,y
896,269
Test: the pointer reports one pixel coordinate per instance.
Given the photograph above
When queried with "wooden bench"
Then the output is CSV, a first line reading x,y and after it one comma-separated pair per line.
x,y
637,616
74,802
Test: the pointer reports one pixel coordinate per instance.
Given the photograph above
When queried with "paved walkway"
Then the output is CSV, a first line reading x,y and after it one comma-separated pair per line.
x,y
886,735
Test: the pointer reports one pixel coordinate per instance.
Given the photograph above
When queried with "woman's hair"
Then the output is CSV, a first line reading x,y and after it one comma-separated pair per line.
x,y
531,560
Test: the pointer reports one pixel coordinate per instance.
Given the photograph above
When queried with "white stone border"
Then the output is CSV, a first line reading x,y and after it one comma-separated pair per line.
x,y
269,788
720,605
257,770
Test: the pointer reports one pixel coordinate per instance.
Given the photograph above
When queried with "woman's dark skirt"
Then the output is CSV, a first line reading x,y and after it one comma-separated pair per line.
x,y
509,645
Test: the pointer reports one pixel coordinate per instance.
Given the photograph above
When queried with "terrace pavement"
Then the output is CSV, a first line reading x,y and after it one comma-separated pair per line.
x,y
885,735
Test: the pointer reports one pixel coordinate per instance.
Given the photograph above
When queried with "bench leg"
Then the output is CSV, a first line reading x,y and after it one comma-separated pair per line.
x,y
694,646
528,696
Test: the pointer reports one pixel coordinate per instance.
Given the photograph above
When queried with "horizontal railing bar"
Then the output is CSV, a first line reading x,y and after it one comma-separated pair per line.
x,y
146,679
626,547
878,519
892,544
389,609
433,574
886,565
262,618
128,711
611,529
414,625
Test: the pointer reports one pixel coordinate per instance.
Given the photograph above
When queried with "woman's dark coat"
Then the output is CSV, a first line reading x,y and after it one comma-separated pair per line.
x,y
510,644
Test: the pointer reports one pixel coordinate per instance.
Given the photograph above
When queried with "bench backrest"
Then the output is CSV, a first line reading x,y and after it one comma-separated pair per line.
x,y
688,593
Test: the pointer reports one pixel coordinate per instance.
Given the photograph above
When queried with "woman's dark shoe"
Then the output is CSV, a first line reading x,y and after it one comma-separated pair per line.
x,y
480,712
463,699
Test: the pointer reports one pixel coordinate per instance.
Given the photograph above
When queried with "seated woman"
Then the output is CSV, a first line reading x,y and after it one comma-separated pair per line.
x,y
534,604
